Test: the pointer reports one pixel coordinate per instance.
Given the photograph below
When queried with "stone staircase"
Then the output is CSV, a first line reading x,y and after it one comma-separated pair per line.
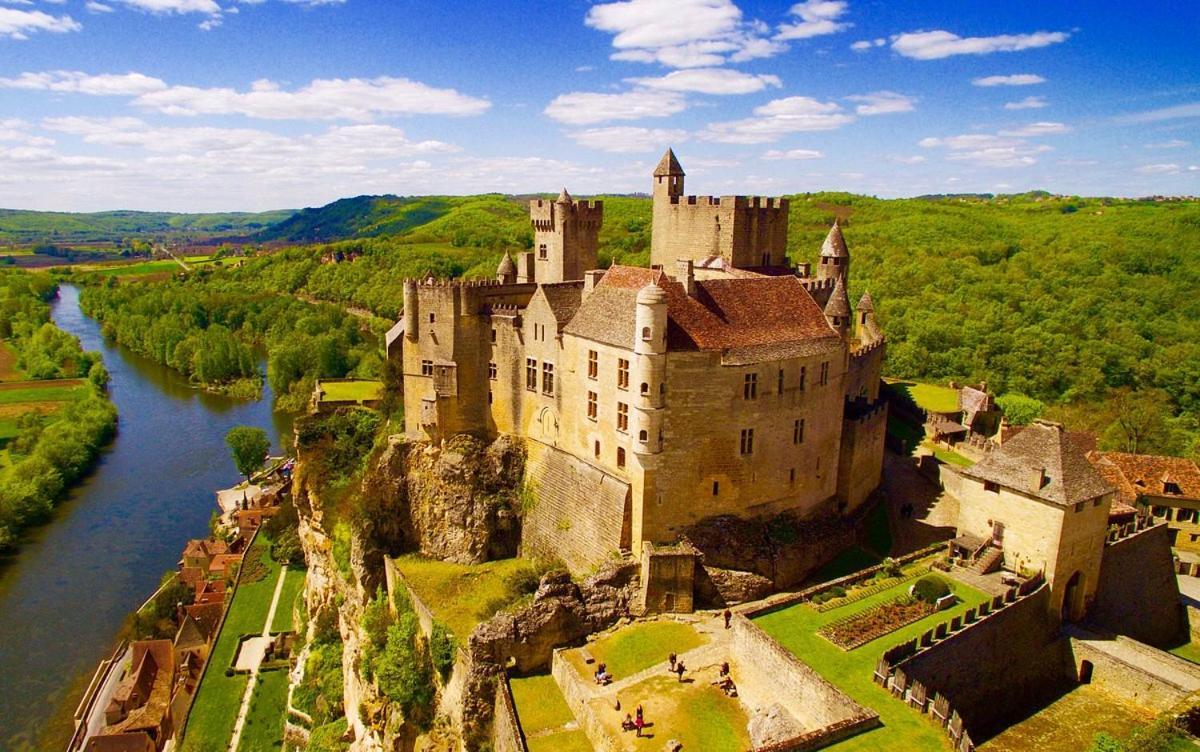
x,y
988,561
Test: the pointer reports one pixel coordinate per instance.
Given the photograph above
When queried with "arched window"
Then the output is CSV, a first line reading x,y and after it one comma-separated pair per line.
x,y
645,334
645,388
643,436
620,456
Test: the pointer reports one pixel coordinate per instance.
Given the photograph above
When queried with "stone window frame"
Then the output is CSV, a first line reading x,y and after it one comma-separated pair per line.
x,y
493,371
531,371
621,457
623,417
548,379
798,431
746,447
593,405
543,252
593,371
750,386
622,374
426,367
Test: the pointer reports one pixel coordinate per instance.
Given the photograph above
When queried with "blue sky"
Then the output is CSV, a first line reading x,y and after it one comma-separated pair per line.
x,y
202,105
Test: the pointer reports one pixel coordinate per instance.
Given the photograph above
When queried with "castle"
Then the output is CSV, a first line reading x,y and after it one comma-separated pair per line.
x,y
719,381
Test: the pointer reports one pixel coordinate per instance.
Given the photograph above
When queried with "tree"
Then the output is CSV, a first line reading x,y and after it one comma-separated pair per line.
x,y
1142,420
249,446
1019,409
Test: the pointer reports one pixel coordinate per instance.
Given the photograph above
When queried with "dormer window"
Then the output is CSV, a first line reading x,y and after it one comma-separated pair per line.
x,y
1171,487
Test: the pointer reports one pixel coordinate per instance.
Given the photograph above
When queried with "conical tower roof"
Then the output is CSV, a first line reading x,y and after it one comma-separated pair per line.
x,y
839,301
668,165
507,267
835,244
865,304
564,197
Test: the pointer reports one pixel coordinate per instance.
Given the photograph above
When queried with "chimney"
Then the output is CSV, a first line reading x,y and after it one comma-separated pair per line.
x,y
1037,478
804,270
591,278
686,275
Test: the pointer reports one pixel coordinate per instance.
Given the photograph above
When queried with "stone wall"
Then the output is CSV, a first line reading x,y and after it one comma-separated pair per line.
x,y
764,668
1138,595
576,695
579,512
506,727
998,667
668,579
860,464
1137,673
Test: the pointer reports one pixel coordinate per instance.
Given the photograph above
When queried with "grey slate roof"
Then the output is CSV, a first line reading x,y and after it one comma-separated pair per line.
x,y
563,299
668,165
1070,478
839,301
835,244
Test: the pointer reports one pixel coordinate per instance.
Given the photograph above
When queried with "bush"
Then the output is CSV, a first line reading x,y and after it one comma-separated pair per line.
x,y
929,588
404,671
442,647
837,591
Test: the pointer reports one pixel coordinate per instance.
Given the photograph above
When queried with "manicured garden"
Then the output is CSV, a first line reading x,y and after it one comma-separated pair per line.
x,y
930,397
463,595
263,729
293,588
638,647
797,627
220,696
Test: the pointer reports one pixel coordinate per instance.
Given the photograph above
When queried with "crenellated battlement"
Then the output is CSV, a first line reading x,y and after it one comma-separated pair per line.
x,y
544,213
862,352
733,202
812,284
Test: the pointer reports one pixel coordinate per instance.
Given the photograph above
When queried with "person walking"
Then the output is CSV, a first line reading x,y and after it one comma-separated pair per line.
x,y
671,660
639,720
728,616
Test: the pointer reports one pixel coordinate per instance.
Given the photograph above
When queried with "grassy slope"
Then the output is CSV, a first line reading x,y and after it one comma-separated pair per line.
x,y
796,629
264,721
293,586
540,704
37,226
457,593
639,647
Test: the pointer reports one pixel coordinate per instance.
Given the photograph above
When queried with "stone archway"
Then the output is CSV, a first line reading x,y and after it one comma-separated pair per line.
x,y
1072,603
546,425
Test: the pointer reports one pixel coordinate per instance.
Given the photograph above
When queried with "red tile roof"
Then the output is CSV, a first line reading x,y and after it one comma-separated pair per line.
x,y
1135,475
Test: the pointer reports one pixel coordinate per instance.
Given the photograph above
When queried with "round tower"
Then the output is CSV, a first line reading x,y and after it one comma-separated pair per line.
x,y
410,310
506,273
650,350
837,310
868,329
835,256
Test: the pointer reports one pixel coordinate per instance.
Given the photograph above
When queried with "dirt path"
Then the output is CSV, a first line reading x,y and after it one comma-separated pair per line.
x,y
257,661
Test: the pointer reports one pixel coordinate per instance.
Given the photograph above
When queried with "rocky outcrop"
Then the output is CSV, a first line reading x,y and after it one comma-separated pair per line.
x,y
718,588
456,502
562,613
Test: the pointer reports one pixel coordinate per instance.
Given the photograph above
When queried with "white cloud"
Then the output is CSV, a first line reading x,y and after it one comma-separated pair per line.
x,y
817,18
909,159
934,45
1028,103
1190,110
19,24
865,44
1174,143
96,7
207,7
1158,169
777,155
778,118
1038,129
628,139
987,150
1016,79
709,81
585,108
681,33
322,99
78,82
882,103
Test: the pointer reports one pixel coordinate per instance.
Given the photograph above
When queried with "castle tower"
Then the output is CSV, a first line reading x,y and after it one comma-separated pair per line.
x,y
650,348
668,188
506,273
837,310
566,237
835,256
868,328
410,310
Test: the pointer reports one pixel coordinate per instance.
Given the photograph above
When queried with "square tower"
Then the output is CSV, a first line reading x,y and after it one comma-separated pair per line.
x,y
566,237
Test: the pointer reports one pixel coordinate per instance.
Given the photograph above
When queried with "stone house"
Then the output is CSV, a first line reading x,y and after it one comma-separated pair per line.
x,y
1166,487
719,381
141,702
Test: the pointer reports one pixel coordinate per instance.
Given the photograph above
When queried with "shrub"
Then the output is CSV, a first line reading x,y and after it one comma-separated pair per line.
x,y
929,588
837,591
442,647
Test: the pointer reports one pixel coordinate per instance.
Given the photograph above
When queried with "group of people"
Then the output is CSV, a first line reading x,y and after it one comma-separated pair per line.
x,y
675,666
634,723
725,681
602,676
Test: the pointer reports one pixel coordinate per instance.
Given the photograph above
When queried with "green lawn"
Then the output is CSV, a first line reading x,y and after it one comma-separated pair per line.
x,y
357,391
796,629
949,456
264,721
220,696
908,433
540,704
293,586
878,536
563,741
458,593
8,429
931,397
698,715
640,646
60,392
1189,651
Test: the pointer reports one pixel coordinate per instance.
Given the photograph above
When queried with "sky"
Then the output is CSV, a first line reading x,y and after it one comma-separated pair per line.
x,y
248,105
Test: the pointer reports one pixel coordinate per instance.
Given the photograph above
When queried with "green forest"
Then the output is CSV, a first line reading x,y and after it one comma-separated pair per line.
x,y
1086,305
48,227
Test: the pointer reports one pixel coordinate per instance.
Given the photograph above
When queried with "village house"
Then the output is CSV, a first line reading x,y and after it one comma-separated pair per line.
x,y
719,381
141,703
1166,487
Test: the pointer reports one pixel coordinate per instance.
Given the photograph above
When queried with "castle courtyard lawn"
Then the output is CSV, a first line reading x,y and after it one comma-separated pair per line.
x,y
563,741
293,586
796,628
1071,722
949,456
264,721
540,704
696,714
351,391
219,696
638,647
930,397
458,594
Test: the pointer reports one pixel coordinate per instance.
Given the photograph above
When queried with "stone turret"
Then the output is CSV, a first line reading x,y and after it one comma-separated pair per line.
x,y
868,328
506,273
410,309
837,310
650,347
835,256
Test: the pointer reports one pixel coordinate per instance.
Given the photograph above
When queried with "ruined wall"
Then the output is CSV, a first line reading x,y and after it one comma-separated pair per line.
x,y
579,512
506,728
1135,682
1138,595
994,669
668,579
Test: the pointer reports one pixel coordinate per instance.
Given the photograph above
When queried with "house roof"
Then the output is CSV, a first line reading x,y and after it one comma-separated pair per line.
x,y
207,616
748,320
835,244
507,266
866,304
974,400
563,299
1043,446
135,742
1135,475
668,165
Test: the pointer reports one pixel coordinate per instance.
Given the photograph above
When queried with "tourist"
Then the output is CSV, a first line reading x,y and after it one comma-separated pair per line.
x,y
640,721
725,668
728,616
679,669
627,724
671,660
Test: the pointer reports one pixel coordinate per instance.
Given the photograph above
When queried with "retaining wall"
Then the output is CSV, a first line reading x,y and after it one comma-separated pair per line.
x,y
1137,594
506,726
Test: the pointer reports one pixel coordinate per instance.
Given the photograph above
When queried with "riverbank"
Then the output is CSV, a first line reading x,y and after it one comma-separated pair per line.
x,y
66,593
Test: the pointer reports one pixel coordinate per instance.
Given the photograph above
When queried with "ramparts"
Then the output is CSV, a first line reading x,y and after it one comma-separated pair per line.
x,y
1137,594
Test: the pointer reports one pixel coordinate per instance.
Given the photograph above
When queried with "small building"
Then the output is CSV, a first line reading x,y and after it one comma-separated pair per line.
x,y
200,553
1166,487
136,742
142,701
1038,502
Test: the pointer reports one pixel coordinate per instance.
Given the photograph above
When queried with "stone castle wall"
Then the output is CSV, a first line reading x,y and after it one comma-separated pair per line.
x,y
506,728
860,465
579,513
745,230
1135,683
1138,595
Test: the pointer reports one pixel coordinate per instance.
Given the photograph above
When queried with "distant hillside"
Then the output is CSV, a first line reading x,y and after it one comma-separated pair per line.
x,y
18,226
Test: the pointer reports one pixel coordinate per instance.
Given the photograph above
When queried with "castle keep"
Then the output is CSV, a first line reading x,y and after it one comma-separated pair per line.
x,y
717,382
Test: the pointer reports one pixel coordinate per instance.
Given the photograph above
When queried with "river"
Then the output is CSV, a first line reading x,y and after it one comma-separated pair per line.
x,y
66,591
